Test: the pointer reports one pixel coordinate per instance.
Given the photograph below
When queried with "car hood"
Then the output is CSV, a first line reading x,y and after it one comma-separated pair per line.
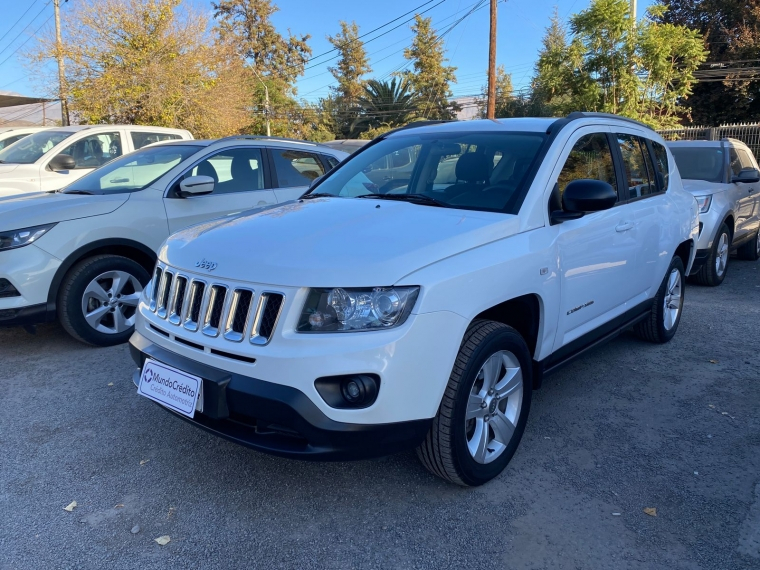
x,y
329,242
702,187
7,168
44,208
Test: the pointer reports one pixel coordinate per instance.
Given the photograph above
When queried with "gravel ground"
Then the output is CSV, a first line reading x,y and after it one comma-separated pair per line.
x,y
630,426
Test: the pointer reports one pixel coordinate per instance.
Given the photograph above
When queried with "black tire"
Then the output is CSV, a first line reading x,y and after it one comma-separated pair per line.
x,y
444,451
71,293
750,250
653,328
708,274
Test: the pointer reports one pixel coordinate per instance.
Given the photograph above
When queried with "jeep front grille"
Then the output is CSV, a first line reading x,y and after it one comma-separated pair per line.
x,y
213,308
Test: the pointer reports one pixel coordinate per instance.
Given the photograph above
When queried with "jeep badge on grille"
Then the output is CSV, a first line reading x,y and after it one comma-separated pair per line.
x,y
203,264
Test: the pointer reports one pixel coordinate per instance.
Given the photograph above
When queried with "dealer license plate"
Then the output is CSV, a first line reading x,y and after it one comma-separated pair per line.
x,y
177,390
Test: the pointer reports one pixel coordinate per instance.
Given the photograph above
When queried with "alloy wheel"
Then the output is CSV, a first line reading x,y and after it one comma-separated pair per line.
x,y
721,259
493,407
672,302
109,303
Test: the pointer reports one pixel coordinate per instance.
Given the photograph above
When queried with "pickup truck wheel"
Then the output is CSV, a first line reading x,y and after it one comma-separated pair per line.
x,y
98,299
750,250
484,409
713,272
661,324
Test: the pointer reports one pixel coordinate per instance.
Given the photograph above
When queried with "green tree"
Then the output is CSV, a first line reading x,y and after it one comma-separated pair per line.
x,y
430,78
505,99
386,104
147,62
351,67
246,26
731,30
615,65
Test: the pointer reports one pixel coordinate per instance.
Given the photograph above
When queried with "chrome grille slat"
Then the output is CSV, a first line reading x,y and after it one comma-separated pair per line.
x,y
163,293
215,309
195,298
157,276
177,300
238,315
267,314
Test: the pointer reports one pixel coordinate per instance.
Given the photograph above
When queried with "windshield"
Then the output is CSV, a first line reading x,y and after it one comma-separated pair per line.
x,y
481,171
132,172
699,163
31,148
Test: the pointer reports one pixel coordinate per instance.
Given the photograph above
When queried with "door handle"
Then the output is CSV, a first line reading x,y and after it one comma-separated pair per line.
x,y
624,226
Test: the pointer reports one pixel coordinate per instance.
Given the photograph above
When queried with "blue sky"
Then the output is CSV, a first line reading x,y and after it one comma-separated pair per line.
x,y
521,25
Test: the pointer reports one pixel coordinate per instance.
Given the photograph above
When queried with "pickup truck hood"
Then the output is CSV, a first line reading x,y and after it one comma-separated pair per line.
x,y
702,187
7,168
329,242
39,208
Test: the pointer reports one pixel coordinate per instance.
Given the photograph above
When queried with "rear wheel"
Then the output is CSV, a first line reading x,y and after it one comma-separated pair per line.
x,y
484,409
713,272
750,250
98,299
661,324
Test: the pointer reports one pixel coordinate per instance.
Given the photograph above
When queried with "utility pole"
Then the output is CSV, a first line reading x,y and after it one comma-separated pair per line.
x,y
491,108
633,11
59,57
266,101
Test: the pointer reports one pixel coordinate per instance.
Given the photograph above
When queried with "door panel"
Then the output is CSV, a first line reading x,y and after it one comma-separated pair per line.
x,y
239,185
748,194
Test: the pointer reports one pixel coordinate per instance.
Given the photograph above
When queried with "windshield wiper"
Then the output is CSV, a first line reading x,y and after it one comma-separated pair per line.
x,y
78,192
317,195
414,198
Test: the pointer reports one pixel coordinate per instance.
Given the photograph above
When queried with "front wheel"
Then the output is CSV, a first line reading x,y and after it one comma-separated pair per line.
x,y
98,299
750,250
713,272
661,324
484,409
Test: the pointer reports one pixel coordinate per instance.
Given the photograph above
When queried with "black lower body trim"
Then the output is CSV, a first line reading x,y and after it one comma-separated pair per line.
x,y
281,420
25,316
603,334
699,260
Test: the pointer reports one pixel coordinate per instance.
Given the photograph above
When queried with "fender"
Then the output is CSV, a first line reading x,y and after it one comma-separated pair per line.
x,y
117,245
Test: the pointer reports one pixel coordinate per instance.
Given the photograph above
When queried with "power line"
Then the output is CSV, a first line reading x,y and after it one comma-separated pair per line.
x,y
19,20
26,41
27,26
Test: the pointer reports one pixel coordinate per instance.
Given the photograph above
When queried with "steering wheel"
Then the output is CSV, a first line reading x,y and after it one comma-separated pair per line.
x,y
392,185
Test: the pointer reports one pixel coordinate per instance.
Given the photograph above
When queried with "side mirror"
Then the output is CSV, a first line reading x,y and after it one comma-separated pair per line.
x,y
196,186
62,162
315,181
582,197
747,176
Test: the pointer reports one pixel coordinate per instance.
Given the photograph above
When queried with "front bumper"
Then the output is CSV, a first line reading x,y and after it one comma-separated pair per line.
x,y
279,419
30,271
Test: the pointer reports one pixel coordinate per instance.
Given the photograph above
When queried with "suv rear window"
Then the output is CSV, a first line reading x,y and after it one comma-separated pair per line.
x,y
143,138
699,162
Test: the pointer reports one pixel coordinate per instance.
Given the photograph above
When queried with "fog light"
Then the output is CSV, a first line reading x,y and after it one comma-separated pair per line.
x,y
352,391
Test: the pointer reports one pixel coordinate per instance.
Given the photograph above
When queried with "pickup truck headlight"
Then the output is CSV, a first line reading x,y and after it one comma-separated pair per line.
x,y
352,310
19,238
704,203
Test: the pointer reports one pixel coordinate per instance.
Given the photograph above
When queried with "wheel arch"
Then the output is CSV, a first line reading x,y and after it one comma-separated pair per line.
x,y
131,249
525,315
684,251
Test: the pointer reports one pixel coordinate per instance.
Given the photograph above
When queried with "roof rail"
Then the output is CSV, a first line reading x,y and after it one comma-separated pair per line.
x,y
588,115
414,125
265,138
733,140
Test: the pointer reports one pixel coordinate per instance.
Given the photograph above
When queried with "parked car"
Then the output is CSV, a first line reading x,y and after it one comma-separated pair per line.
x,y
53,158
346,145
723,176
84,254
9,135
341,327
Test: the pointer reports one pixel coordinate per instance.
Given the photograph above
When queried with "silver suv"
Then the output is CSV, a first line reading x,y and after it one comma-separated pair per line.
x,y
723,176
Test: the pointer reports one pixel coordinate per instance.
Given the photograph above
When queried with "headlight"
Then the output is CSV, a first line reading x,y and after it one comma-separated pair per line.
x,y
704,203
20,238
344,310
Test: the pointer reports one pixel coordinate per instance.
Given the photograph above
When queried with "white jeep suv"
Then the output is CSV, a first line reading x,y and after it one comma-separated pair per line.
x,y
53,158
84,254
367,317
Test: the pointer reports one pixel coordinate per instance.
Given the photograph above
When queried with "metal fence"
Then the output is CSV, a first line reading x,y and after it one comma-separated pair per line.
x,y
749,134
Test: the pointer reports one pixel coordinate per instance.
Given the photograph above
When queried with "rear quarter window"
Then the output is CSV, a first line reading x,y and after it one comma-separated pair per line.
x,y
661,165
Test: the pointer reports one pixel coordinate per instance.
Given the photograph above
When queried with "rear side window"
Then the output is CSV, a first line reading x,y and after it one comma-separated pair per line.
x,y
661,165
637,165
296,167
744,159
143,138
590,158
331,160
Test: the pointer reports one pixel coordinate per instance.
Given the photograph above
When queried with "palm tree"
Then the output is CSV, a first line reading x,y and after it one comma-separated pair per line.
x,y
385,103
